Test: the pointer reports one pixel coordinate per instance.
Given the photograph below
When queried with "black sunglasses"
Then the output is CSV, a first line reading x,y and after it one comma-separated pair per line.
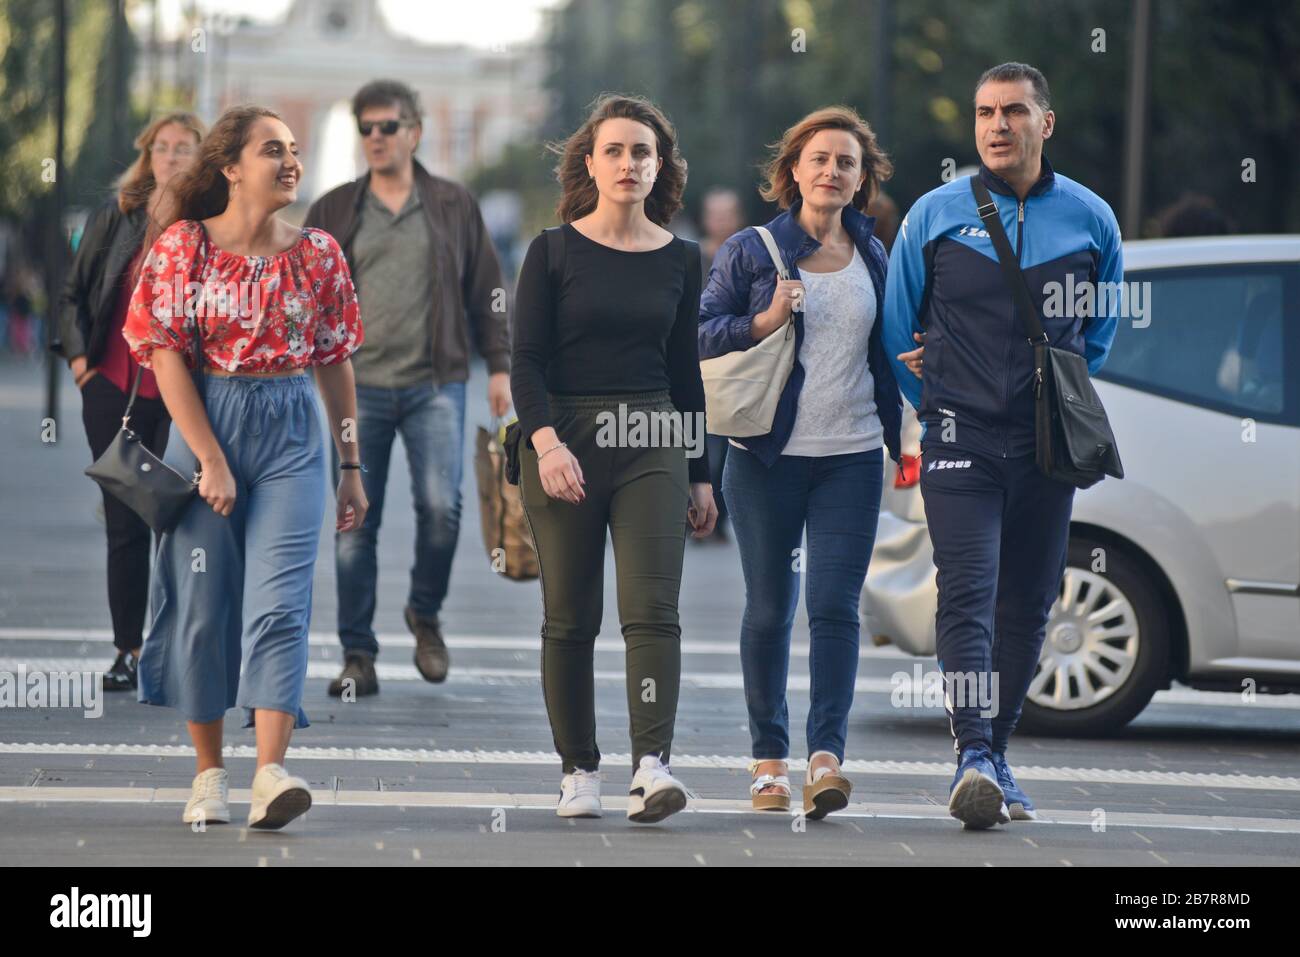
x,y
387,127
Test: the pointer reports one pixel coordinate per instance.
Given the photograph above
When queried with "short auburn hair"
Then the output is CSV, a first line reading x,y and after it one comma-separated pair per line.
x,y
578,193
780,186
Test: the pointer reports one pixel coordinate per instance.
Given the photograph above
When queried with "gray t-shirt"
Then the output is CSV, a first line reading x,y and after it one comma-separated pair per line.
x,y
392,269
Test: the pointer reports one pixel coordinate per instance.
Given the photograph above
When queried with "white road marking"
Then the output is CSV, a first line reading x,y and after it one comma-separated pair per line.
x,y
941,769
490,800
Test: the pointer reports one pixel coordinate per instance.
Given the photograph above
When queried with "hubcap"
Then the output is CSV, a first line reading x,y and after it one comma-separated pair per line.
x,y
1091,644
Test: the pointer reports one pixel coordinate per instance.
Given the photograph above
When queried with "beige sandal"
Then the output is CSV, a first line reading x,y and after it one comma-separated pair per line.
x,y
769,802
825,792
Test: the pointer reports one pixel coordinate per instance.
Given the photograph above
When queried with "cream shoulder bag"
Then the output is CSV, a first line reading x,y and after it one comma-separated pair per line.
x,y
741,389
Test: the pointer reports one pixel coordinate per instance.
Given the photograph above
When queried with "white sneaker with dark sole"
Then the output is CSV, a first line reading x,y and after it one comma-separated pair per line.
x,y
580,794
278,798
209,801
655,793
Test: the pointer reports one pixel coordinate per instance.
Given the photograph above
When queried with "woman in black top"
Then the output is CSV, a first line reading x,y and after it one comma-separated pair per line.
x,y
606,381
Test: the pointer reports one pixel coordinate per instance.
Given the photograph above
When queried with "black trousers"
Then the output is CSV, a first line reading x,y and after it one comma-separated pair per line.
x,y
102,406
1000,530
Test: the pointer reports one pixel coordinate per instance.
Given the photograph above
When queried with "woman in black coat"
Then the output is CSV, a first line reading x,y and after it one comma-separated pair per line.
x,y
89,336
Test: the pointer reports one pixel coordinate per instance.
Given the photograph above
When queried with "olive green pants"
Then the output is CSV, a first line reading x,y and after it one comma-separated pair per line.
x,y
640,494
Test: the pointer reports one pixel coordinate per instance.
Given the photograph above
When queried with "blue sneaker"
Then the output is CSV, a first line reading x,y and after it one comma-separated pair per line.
x,y
1018,803
976,798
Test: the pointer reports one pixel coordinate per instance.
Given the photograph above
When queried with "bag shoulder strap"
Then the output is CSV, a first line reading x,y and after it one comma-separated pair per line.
x,y
691,255
555,254
200,362
988,212
773,251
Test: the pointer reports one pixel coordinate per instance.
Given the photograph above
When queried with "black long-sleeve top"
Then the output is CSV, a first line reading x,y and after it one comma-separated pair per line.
x,y
617,321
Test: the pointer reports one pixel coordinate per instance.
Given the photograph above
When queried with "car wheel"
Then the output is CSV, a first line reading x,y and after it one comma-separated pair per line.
x,y
1106,650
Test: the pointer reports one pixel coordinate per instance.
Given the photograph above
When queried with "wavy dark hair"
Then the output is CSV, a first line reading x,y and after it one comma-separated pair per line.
x,y
202,191
780,187
578,193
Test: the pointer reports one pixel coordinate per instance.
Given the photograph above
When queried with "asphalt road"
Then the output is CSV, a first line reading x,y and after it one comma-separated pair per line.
x,y
464,773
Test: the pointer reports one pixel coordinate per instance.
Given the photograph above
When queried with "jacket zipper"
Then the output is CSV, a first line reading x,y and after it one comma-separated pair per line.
x,y
1006,370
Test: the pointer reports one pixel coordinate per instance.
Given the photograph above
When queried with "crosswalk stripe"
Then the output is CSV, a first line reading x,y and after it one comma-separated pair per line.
x,y
699,680
941,769
494,800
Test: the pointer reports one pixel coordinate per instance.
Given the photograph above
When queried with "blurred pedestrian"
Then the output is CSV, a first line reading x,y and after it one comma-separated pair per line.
x,y
429,282
1193,214
722,217
92,311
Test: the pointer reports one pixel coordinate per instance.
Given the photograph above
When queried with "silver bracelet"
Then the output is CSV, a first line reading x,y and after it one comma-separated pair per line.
x,y
562,445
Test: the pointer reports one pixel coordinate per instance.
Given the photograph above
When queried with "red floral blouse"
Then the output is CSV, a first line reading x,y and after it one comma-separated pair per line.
x,y
259,313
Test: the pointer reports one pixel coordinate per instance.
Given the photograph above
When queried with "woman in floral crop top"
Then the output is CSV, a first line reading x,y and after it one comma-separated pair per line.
x,y
232,590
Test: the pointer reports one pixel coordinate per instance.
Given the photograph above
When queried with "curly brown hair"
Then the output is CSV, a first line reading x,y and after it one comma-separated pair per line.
x,y
578,193
780,186
137,182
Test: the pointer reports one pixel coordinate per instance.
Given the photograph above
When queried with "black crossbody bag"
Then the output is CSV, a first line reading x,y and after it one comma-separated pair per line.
x,y
1073,439
135,476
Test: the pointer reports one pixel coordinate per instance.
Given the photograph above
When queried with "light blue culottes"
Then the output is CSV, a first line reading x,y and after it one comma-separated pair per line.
x,y
231,596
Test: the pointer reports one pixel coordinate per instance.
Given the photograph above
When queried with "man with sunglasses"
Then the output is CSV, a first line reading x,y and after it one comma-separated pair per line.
x,y
428,282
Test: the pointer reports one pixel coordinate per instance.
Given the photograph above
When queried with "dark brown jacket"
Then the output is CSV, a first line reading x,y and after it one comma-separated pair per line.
x,y
468,293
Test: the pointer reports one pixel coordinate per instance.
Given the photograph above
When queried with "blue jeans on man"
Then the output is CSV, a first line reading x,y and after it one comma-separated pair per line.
x,y
431,422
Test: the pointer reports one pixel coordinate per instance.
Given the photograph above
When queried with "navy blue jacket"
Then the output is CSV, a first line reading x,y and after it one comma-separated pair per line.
x,y
944,278
740,286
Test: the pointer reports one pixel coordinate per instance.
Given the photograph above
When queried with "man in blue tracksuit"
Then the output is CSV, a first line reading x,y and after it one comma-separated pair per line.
x,y
1000,527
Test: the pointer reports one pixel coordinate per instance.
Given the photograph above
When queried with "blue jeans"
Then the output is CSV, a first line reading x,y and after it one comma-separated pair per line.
x,y
431,422
837,499
232,594
1000,530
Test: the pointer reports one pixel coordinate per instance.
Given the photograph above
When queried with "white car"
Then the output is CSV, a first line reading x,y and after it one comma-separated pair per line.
x,y
1188,569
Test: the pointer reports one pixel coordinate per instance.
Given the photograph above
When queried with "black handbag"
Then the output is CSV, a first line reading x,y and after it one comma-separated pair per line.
x,y
139,479
1073,439
514,435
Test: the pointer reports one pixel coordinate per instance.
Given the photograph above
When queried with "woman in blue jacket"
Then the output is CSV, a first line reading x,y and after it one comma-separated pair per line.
x,y
821,467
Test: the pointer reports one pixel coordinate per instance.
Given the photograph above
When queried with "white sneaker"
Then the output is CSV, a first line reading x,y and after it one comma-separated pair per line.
x,y
209,797
580,794
655,793
278,797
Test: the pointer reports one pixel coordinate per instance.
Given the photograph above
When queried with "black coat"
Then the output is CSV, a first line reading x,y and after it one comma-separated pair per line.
x,y
90,291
